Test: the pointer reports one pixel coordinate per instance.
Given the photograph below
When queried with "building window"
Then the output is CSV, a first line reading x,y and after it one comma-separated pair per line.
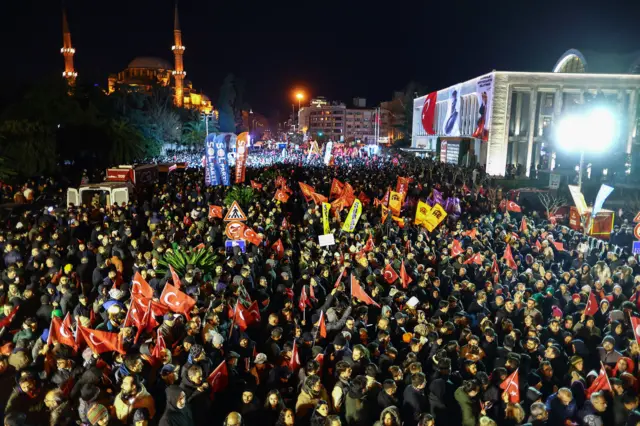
x,y
548,100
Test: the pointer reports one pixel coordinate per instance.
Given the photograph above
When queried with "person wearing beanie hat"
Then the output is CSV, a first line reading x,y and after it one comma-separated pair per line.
x,y
607,353
98,415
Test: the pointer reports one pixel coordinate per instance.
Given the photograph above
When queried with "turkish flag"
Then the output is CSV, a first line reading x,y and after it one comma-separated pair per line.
x,y
278,247
159,347
281,196
559,246
7,320
476,258
312,293
101,341
339,279
513,207
256,185
389,274
508,256
61,332
511,387
600,383
358,292
456,249
322,325
284,224
177,301
428,113
244,317
473,233
635,324
174,277
219,378
294,364
138,315
250,235
320,359
304,300
254,311
336,188
404,277
215,212
592,305
319,198
495,271
140,286
307,190
523,225
369,246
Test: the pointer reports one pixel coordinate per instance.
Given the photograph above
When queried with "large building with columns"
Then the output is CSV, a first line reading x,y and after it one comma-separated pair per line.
x,y
503,118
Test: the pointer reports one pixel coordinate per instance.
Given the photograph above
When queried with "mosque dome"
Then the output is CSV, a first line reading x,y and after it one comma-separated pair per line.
x,y
150,63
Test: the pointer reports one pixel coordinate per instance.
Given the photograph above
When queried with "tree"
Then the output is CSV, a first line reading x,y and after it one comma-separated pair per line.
x,y
127,143
6,172
551,202
411,91
29,146
193,134
226,102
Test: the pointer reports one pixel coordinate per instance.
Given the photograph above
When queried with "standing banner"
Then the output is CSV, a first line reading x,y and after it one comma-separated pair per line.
x,y
353,216
242,151
327,153
429,113
484,91
402,185
211,177
223,140
578,199
452,120
395,202
326,207
421,212
605,191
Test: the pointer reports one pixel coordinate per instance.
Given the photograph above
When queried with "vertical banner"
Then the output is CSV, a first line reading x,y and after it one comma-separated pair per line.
x,y
211,175
327,153
402,185
242,144
353,216
429,113
578,199
605,191
326,207
223,140
395,202
452,120
484,92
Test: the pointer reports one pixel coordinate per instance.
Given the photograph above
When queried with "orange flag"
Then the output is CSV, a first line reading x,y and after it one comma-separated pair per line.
x,y
318,198
363,198
336,188
256,185
281,196
456,249
215,212
278,247
307,190
358,292
385,213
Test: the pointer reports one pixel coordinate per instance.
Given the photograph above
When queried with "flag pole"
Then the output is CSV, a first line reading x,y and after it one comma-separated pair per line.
x,y
606,375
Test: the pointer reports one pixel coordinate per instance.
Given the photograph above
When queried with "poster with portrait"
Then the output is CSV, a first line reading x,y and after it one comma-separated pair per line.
x,y
484,92
452,120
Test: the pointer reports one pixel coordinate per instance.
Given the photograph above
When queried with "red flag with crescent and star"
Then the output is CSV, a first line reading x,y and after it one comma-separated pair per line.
x,y
511,387
60,331
101,341
600,383
177,301
358,292
140,286
219,378
175,278
404,277
389,274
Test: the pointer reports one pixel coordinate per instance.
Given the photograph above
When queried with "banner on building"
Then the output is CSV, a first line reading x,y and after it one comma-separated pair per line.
x,y
327,153
353,216
242,151
326,207
429,113
578,199
484,92
452,120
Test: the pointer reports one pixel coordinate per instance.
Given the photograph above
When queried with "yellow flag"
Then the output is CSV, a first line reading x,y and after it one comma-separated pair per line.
x,y
395,202
353,216
421,212
434,217
325,217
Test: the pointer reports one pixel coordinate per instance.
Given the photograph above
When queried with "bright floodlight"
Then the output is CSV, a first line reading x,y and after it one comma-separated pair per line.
x,y
601,129
593,131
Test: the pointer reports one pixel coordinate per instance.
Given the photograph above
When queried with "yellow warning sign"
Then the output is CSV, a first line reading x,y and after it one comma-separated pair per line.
x,y
235,213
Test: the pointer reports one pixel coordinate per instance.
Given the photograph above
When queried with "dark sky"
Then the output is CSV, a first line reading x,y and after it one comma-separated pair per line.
x,y
339,49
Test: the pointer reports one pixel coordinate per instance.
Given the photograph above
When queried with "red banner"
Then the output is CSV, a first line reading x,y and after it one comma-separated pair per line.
x,y
429,113
241,156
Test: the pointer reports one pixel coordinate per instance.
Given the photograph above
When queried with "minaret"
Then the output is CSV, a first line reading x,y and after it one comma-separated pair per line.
x,y
178,50
67,51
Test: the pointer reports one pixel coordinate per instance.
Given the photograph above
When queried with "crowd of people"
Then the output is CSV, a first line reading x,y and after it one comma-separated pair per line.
x,y
488,319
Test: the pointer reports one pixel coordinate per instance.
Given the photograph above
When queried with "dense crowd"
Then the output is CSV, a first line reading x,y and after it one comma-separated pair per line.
x,y
488,319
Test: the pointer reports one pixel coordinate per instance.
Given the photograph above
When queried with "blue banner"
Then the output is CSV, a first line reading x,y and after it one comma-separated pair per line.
x,y
222,162
211,176
605,191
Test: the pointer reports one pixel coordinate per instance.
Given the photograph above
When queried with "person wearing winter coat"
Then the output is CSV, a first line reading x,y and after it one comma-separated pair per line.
x,y
414,400
592,413
312,391
320,413
132,395
469,408
357,405
561,406
390,416
178,412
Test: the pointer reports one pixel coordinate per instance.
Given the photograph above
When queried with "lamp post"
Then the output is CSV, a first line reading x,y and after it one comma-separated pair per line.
x,y
591,131
299,97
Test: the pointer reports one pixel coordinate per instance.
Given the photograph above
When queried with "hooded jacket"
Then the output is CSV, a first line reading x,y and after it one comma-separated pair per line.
x,y
143,399
395,413
174,416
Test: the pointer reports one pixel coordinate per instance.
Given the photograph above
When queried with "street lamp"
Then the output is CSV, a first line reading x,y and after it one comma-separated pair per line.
x,y
592,131
299,97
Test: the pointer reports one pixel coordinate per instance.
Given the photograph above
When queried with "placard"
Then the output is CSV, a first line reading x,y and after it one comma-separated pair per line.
x,y
326,240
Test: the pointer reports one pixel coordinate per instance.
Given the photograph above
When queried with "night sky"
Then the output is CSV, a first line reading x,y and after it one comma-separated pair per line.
x,y
339,49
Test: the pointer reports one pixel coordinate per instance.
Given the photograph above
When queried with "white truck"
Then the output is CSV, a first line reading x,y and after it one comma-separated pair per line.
x,y
103,194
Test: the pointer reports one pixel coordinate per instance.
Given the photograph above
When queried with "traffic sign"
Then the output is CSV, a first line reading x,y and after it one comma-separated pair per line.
x,y
234,230
637,218
636,247
636,231
235,213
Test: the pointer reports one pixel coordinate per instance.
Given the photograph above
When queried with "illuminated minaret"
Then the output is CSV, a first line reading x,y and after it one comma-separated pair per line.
x,y
178,50
67,51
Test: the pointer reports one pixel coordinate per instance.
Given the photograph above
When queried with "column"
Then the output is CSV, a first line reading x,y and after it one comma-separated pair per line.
x,y
518,113
533,101
631,119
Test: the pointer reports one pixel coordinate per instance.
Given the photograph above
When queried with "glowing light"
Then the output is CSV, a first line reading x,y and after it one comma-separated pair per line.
x,y
593,131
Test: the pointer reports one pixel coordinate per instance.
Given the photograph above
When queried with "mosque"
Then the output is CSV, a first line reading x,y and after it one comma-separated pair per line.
x,y
144,73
